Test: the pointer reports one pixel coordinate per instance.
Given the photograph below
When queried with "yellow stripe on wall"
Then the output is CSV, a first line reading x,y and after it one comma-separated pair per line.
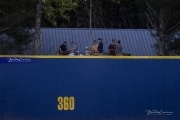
x,y
90,57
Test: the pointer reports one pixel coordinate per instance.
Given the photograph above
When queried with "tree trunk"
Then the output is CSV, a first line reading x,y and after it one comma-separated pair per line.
x,y
37,28
161,48
162,34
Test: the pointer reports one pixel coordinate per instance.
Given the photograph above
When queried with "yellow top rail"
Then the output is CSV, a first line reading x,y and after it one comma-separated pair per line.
x,y
90,57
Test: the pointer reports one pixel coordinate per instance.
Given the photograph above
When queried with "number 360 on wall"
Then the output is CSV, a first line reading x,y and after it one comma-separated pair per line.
x,y
66,103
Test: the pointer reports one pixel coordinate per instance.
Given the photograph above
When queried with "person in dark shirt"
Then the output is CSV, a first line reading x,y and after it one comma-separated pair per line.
x,y
112,48
100,46
63,48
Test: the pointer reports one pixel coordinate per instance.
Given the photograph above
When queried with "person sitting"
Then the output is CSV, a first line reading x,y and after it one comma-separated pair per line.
x,y
94,48
87,51
63,49
112,48
73,48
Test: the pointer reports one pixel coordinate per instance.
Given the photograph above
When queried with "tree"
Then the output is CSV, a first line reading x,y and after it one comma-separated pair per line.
x,y
160,26
57,12
79,16
76,13
126,15
15,21
174,47
37,28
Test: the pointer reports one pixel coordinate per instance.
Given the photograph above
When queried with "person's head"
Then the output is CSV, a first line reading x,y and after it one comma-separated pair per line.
x,y
118,41
72,43
94,42
113,41
64,43
86,48
100,40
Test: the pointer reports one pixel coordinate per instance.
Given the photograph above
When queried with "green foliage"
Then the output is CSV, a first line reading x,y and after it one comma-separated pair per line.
x,y
16,17
14,41
57,11
105,14
79,17
16,13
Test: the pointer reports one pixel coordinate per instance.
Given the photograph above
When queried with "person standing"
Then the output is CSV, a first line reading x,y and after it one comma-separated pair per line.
x,y
119,48
94,48
112,47
100,46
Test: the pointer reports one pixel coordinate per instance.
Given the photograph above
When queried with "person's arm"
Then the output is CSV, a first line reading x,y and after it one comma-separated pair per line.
x,y
60,51
92,50
73,48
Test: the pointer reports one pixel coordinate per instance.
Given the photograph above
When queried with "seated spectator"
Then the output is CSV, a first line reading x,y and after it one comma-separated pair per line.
x,y
73,47
119,48
100,46
63,49
112,48
94,48
87,51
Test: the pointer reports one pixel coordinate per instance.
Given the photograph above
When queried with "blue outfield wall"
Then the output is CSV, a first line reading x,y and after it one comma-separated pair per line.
x,y
89,89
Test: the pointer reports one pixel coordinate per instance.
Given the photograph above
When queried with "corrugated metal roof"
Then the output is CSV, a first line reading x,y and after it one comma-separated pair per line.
x,y
136,42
